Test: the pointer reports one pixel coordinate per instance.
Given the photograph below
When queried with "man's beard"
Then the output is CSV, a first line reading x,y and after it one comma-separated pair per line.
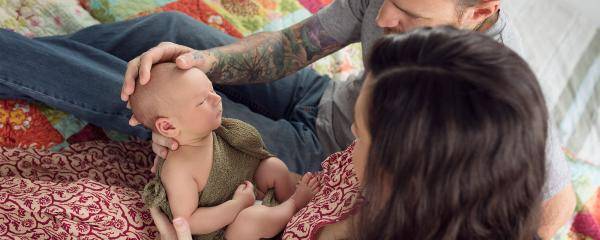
x,y
388,31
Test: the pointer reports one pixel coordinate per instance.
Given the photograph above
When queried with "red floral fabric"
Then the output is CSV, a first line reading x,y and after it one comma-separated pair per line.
x,y
23,125
338,198
89,190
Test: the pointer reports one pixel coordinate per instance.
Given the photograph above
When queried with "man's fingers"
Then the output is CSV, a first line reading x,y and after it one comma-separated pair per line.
x,y
195,58
148,58
182,229
133,121
159,150
139,67
164,141
189,60
130,76
165,51
160,140
154,165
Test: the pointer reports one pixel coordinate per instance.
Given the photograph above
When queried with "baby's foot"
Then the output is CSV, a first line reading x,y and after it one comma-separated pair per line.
x,y
306,189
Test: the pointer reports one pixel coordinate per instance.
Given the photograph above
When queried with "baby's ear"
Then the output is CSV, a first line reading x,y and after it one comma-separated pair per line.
x,y
165,127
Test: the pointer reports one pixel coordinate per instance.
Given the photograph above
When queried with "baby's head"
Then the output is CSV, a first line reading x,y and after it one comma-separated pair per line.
x,y
176,102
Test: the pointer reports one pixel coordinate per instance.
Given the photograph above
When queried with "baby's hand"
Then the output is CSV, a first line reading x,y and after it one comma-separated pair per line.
x,y
245,194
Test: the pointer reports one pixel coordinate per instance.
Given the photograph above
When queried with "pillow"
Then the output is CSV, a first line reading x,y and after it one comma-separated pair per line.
x,y
562,46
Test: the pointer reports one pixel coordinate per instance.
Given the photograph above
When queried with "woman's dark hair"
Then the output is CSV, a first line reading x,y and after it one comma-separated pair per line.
x,y
458,126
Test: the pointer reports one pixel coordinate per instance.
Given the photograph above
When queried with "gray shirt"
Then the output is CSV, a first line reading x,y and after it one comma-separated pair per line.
x,y
349,21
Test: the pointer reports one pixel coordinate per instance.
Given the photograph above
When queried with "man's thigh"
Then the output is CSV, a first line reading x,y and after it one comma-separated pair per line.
x,y
293,142
66,75
129,39
281,99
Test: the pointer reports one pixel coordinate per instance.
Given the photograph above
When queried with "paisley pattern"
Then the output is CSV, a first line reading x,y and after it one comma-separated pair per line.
x,y
30,125
338,198
89,190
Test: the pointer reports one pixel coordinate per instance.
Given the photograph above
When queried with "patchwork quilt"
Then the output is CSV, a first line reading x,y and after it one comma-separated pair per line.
x,y
65,178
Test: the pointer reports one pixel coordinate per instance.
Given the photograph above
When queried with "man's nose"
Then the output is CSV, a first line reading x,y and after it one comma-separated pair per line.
x,y
385,21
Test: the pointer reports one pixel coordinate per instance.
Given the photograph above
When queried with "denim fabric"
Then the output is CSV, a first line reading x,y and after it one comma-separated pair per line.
x,y
82,73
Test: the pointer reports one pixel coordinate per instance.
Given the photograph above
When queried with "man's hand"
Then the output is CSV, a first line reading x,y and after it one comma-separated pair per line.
x,y
139,67
179,230
245,194
160,146
259,58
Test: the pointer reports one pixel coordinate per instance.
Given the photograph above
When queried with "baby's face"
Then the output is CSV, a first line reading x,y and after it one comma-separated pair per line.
x,y
197,109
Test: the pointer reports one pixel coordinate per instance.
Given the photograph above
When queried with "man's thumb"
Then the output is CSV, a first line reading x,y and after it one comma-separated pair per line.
x,y
185,61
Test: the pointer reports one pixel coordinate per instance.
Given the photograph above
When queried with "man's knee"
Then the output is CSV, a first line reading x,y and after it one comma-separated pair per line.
x,y
182,21
170,16
173,21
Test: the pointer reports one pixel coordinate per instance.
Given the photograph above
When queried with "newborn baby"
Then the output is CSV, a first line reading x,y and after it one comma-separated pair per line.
x,y
208,180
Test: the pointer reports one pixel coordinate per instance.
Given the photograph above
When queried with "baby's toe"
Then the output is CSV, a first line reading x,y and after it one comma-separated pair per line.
x,y
306,178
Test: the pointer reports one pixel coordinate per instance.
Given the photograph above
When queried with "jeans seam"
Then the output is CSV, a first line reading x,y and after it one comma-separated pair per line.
x,y
91,109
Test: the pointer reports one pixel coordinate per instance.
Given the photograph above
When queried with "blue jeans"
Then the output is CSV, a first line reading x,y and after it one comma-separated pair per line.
x,y
82,73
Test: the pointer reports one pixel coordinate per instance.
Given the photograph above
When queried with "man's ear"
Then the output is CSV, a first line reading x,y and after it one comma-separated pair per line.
x,y
165,127
475,15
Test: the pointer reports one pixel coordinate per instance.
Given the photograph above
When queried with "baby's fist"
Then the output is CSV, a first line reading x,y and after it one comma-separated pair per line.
x,y
245,194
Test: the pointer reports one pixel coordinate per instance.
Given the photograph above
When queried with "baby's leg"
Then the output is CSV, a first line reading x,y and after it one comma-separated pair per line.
x,y
272,173
265,222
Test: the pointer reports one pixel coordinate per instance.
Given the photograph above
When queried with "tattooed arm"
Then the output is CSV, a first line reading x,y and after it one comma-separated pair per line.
x,y
269,56
261,57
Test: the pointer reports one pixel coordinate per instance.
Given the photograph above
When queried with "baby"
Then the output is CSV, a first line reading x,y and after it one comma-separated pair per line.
x,y
207,181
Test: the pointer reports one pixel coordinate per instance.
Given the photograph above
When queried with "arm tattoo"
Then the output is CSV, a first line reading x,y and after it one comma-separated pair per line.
x,y
269,56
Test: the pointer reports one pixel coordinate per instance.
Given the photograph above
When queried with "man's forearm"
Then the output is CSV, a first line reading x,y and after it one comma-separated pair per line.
x,y
557,211
269,56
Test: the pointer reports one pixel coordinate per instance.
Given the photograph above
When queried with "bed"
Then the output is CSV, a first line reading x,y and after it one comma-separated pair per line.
x,y
65,178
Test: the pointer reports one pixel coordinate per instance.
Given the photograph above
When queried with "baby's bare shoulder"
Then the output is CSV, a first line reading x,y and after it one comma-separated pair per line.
x,y
176,161
184,166
185,159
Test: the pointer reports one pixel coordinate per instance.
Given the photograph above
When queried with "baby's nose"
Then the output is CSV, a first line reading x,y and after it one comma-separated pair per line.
x,y
217,98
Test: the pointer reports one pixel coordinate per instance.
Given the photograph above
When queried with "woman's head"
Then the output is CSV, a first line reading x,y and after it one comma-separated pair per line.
x,y
451,132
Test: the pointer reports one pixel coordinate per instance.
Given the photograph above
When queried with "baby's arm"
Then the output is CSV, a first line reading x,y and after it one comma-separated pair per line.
x,y
182,192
